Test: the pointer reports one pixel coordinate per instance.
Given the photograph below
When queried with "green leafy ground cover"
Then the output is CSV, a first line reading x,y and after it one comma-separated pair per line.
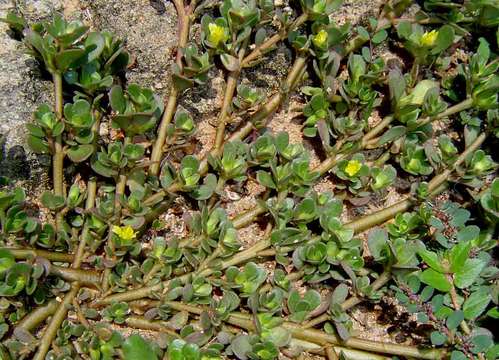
x,y
70,283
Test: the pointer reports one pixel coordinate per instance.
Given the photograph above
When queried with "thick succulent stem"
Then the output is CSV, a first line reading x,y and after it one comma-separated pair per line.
x,y
265,111
120,191
58,156
224,112
319,337
272,41
85,277
135,294
56,321
38,316
258,119
463,105
352,301
91,192
23,254
184,20
381,216
365,345
227,102
70,274
350,354
357,225
247,217
141,323
331,353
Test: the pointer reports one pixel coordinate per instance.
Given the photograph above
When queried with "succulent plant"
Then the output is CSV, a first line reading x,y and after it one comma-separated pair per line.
x,y
141,230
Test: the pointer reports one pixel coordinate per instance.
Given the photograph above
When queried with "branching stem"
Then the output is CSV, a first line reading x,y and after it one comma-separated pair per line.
x,y
58,156
56,321
23,254
38,316
319,337
272,41
358,225
184,21
264,112
91,192
227,102
352,301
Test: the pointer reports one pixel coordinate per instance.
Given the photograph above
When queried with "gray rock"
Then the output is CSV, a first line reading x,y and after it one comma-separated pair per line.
x,y
22,88
150,30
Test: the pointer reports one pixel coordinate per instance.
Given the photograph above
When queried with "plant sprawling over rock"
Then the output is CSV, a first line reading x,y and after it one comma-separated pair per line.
x,y
422,130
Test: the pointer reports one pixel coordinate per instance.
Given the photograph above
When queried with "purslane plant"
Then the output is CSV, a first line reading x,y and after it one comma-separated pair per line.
x,y
104,255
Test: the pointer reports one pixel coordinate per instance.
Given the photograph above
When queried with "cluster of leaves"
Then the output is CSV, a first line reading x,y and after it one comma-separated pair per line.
x,y
208,285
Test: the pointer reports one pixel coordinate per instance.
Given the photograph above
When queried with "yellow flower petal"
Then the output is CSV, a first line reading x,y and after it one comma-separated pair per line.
x,y
353,167
320,38
124,232
216,34
429,38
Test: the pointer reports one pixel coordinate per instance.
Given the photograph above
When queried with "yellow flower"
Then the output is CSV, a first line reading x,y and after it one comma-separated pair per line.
x,y
429,38
125,233
217,34
353,167
320,38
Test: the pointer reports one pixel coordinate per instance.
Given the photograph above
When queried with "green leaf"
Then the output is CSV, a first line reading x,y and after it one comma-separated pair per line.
x,y
340,294
136,348
437,338
469,233
260,36
471,269
458,355
240,346
458,256
392,134
7,260
455,319
396,84
51,201
493,313
418,94
431,259
181,83
476,303
134,151
404,29
377,241
493,352
135,124
481,343
445,39
205,191
117,99
79,153
435,279
363,33
58,128
16,22
102,169
66,58
38,145
379,37
95,42
230,62
265,179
